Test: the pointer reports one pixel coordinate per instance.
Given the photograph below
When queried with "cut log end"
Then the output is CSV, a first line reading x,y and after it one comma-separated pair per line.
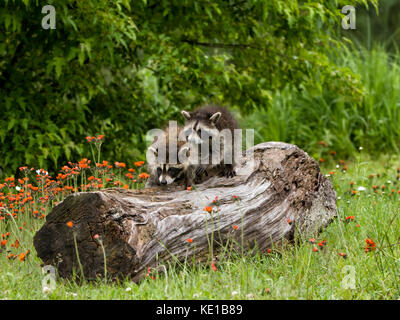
x,y
278,190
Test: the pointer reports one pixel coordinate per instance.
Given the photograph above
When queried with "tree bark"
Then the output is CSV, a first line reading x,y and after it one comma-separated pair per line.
x,y
280,191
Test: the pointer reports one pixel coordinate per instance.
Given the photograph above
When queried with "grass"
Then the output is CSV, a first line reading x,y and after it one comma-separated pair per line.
x,y
296,272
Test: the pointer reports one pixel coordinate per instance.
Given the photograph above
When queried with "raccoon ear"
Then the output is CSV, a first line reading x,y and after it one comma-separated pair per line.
x,y
215,117
186,114
184,152
154,150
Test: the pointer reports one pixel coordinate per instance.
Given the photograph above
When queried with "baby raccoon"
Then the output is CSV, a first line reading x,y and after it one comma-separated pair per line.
x,y
165,153
211,124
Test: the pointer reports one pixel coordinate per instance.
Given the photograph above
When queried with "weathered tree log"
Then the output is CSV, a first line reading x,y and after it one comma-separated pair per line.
x,y
282,192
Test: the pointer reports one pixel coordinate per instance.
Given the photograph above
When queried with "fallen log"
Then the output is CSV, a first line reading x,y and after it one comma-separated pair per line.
x,y
279,189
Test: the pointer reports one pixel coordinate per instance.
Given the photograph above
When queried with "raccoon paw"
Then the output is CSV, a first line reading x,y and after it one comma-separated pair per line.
x,y
228,172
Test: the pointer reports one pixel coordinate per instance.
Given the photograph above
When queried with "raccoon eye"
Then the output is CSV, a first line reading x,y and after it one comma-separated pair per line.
x,y
173,172
159,171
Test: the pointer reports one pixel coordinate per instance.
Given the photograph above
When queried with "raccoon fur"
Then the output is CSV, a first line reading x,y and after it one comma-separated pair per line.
x,y
205,125
163,168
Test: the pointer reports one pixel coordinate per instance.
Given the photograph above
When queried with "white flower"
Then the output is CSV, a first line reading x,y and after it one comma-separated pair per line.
x,y
235,293
360,148
250,296
43,172
195,295
17,188
128,289
361,188
339,198
46,290
337,166
389,181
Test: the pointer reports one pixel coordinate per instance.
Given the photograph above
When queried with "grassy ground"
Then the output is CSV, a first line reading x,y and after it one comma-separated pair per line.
x,y
298,272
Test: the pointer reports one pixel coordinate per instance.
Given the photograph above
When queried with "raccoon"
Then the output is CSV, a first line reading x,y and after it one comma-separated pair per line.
x,y
163,169
204,125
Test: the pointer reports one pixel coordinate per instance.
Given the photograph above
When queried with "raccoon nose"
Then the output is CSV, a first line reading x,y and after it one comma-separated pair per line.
x,y
164,182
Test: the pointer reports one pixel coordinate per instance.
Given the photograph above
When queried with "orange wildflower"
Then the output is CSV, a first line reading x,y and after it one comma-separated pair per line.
x,y
322,243
143,175
208,209
70,224
120,165
139,163
370,245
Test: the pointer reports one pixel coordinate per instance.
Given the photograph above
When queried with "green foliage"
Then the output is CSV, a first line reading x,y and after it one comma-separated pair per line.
x,y
377,26
122,67
305,117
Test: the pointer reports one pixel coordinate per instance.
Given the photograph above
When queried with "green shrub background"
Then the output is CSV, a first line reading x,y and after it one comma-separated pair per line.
x,y
120,68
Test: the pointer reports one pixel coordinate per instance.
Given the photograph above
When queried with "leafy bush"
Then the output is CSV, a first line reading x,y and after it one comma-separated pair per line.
x,y
121,67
